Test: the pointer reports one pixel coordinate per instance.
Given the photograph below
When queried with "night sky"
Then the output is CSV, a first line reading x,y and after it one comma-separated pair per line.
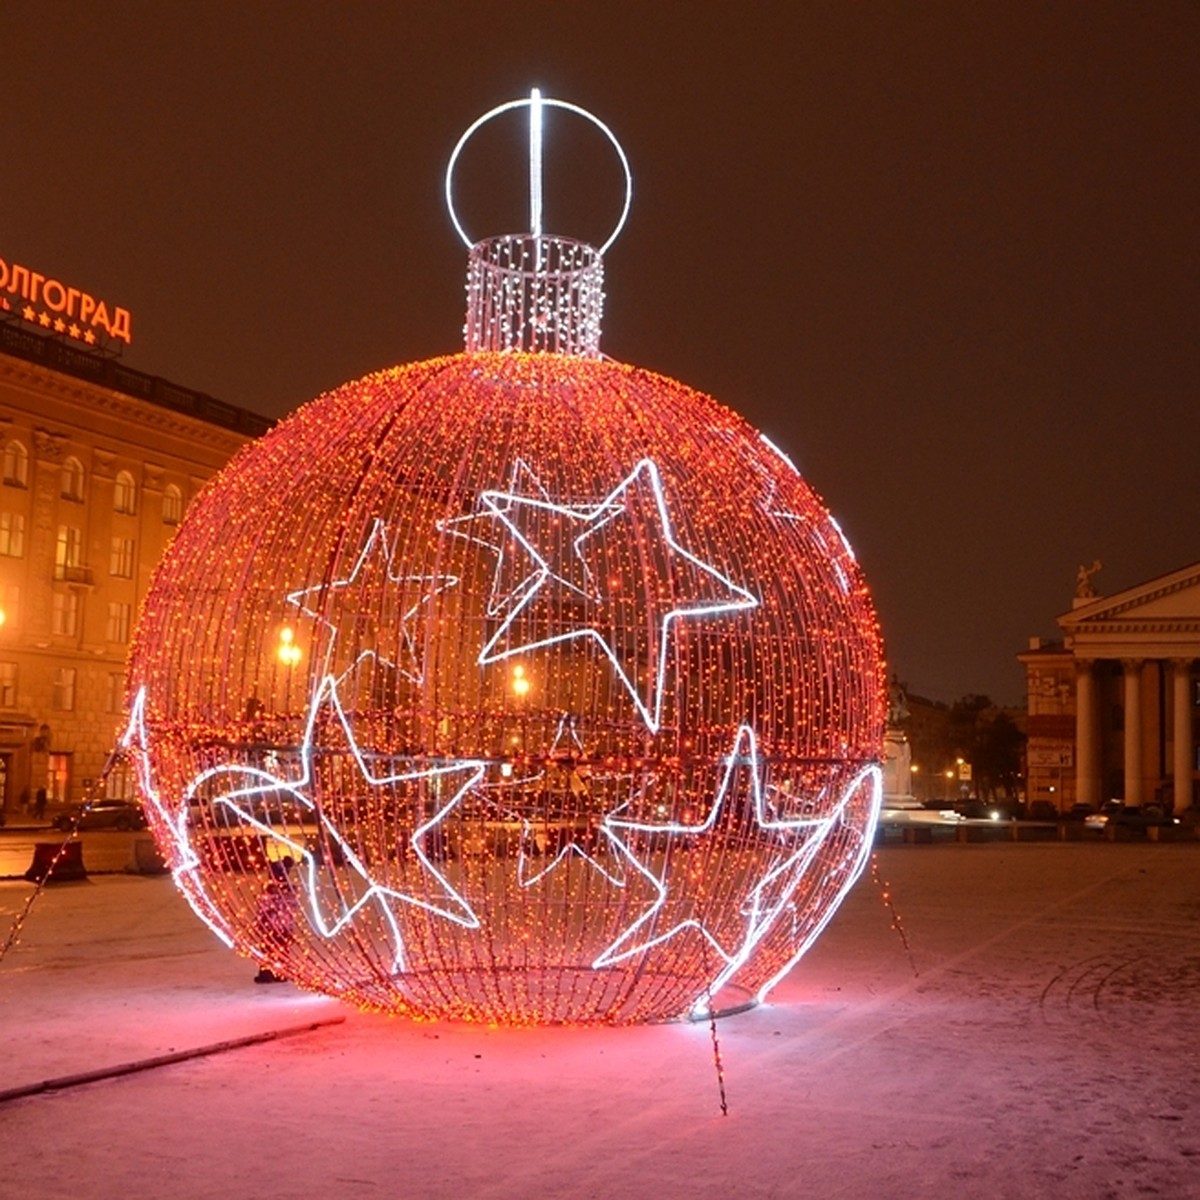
x,y
944,254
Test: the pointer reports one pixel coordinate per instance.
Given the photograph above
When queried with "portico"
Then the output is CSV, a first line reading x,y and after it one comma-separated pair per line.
x,y
1125,682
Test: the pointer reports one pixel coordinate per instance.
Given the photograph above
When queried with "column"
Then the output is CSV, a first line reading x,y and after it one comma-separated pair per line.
x,y
1087,734
1133,731
1182,752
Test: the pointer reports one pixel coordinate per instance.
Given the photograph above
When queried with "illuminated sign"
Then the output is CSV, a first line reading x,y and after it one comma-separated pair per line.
x,y
43,301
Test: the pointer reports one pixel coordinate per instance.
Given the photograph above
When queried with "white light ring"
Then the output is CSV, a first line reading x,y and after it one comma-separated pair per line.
x,y
525,103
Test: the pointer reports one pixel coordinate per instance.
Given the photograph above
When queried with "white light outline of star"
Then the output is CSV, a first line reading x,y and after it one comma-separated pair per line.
x,y
327,689
875,774
653,719
185,862
316,917
539,574
387,551
526,824
758,919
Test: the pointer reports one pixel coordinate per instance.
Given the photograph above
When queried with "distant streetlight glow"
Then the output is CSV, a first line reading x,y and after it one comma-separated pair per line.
x,y
520,682
288,652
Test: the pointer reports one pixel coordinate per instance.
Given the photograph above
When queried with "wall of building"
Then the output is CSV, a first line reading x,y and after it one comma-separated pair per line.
x,y
93,485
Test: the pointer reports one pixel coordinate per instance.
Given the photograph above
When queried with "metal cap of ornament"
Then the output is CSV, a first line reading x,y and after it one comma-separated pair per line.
x,y
535,291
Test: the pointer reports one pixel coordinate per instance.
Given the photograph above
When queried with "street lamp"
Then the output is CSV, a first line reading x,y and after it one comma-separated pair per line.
x,y
520,681
288,652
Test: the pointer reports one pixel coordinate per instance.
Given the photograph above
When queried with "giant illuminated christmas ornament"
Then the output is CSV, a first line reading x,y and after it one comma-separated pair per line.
x,y
519,685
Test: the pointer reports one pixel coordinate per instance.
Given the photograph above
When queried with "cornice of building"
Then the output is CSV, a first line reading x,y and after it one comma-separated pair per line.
x,y
125,408
1150,625
1104,613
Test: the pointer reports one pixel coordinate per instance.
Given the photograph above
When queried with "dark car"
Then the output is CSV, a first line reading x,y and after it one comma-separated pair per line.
x,y
1043,810
1115,814
103,814
985,810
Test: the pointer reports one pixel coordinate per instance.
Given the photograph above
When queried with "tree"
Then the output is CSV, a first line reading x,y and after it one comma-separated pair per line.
x,y
996,756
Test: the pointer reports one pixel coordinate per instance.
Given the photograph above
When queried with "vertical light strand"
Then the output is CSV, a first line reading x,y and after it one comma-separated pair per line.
x,y
535,163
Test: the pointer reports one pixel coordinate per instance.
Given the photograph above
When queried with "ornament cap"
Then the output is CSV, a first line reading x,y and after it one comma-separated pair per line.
x,y
531,293
534,291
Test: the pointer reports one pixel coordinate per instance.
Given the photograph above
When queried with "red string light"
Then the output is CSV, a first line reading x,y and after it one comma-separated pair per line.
x,y
885,892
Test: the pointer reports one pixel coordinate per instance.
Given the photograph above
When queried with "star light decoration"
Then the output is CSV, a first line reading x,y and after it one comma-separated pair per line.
x,y
512,686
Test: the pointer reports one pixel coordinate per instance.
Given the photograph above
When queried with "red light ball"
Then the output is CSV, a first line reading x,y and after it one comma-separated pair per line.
x,y
512,687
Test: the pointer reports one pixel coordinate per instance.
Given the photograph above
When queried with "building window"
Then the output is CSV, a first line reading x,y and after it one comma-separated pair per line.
x,y
118,622
64,689
16,465
72,480
12,534
10,597
8,685
120,560
64,616
172,505
120,783
68,551
60,777
124,493
116,693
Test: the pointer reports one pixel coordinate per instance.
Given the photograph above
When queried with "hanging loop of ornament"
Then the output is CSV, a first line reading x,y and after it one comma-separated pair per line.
x,y
535,103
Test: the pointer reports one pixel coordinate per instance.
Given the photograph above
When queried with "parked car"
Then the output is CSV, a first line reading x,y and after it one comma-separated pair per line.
x,y
900,811
1099,820
1138,818
985,810
102,814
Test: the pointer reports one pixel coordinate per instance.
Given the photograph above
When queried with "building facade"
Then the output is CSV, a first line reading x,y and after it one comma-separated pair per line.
x,y
1114,708
97,465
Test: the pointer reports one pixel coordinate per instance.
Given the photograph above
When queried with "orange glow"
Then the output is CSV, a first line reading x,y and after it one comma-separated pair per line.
x,y
288,652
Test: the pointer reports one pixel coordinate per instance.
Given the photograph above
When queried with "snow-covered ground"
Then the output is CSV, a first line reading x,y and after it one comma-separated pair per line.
x,y
1049,1044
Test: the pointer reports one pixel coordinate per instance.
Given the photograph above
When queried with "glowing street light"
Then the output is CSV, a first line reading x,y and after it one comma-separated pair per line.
x,y
288,652
520,682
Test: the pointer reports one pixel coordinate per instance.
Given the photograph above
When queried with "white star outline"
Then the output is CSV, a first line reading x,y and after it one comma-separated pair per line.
x,y
497,503
617,879
761,914
456,909
377,544
874,775
184,860
503,505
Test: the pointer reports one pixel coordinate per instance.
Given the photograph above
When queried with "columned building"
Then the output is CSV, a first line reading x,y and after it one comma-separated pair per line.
x,y
97,465
1114,709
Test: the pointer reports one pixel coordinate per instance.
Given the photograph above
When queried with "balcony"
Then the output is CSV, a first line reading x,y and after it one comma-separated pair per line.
x,y
77,576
